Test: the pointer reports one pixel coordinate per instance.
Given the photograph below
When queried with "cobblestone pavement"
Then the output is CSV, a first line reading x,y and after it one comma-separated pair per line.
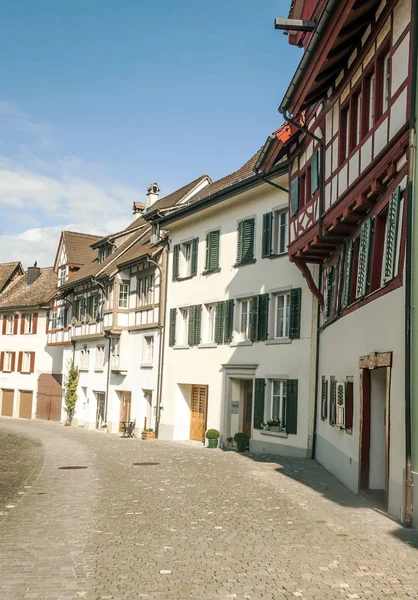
x,y
202,524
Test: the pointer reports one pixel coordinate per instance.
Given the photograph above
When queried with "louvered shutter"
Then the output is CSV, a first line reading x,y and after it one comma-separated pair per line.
x,y
292,406
35,323
348,265
32,362
263,317
340,406
294,197
363,258
254,318
197,323
13,362
267,235
314,172
324,399
229,320
330,296
295,312
1,361
4,324
19,362
194,258
176,257
240,242
259,392
16,324
172,329
191,332
212,251
392,222
220,322
248,241
22,323
332,411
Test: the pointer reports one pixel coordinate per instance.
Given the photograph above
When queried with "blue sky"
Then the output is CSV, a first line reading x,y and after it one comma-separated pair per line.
x,y
99,98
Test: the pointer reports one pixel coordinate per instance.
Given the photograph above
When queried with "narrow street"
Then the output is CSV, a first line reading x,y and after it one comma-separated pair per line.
x,y
199,524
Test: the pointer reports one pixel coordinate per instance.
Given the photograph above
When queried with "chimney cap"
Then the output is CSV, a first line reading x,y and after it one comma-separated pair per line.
x,y
138,207
153,188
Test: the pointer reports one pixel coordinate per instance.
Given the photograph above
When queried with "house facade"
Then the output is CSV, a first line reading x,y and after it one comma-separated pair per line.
x,y
239,349
347,141
30,372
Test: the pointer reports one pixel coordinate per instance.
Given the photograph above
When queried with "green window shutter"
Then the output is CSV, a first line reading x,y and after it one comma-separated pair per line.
x,y
324,399
220,322
259,392
263,317
390,270
176,256
348,273
172,329
292,406
197,324
330,296
229,320
195,245
314,172
333,407
248,240
363,258
212,251
207,252
295,312
294,197
190,335
240,241
254,318
267,235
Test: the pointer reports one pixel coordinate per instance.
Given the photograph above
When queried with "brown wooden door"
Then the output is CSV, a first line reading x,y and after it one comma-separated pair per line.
x,y
25,408
247,407
49,397
7,406
198,413
125,408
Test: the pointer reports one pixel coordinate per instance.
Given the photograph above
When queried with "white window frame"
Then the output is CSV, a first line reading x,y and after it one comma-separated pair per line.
x,y
85,358
29,323
109,297
115,352
7,364
210,323
26,359
145,289
284,334
62,276
123,296
54,319
186,253
244,329
280,411
184,326
372,86
148,350
99,362
10,324
280,231
386,83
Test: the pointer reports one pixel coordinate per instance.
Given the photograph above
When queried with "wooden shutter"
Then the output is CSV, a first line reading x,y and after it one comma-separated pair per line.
x,y
4,324
248,240
295,312
172,328
19,362
332,410
324,399
314,172
340,406
220,322
176,257
32,362
47,321
263,317
22,324
294,197
13,361
390,269
212,251
348,266
254,318
1,361
292,406
240,244
259,392
190,333
16,324
229,320
35,323
194,258
349,406
267,235
363,258
197,317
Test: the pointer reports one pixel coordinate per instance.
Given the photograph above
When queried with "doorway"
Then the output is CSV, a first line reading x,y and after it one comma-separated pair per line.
x,y
25,406
7,404
198,412
148,408
100,409
247,393
125,409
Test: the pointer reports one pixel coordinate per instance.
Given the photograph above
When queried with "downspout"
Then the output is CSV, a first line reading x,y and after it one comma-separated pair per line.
x,y
411,294
315,421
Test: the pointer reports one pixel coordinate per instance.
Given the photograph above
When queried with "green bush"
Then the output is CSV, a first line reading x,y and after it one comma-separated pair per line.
x,y
212,434
241,438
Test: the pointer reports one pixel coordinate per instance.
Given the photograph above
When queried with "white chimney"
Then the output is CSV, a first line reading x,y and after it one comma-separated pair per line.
x,y
153,193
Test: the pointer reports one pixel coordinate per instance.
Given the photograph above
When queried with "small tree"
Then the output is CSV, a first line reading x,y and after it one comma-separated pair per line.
x,y
71,383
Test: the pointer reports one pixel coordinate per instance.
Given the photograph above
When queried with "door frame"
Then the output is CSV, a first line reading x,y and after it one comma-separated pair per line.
x,y
374,360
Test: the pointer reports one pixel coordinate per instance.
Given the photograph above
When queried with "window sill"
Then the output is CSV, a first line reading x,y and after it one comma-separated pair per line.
x,y
185,278
280,434
83,369
242,343
181,347
6,371
243,263
208,345
98,369
278,255
218,270
146,366
279,341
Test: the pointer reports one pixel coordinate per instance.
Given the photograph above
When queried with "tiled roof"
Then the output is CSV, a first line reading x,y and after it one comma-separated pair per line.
x,y
77,246
7,270
19,294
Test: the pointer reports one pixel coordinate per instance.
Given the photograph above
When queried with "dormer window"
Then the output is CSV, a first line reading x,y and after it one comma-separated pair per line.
x,y
62,276
104,253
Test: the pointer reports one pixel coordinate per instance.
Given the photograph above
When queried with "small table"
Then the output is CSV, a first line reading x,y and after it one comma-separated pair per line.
x,y
128,429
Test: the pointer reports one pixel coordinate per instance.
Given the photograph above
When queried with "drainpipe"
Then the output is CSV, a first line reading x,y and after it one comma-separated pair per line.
x,y
411,293
315,421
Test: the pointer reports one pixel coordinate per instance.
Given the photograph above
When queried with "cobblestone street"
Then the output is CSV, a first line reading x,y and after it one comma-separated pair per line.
x,y
200,524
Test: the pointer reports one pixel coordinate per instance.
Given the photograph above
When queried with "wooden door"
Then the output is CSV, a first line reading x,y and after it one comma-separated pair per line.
x,y
125,408
25,408
7,406
198,413
100,409
247,407
49,397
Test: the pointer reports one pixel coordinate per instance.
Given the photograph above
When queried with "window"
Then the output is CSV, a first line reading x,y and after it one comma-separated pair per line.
x,y
331,280
104,253
29,323
212,251
280,225
245,251
344,133
95,307
278,401
100,350
10,324
8,361
145,290
109,297
184,333
368,103
283,403
349,405
26,360
84,358
123,295
54,320
244,319
185,257
148,350
210,323
224,321
382,84
282,317
115,352
62,275
355,126
386,82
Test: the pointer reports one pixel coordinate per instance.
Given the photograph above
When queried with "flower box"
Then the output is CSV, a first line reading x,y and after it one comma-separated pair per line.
x,y
148,435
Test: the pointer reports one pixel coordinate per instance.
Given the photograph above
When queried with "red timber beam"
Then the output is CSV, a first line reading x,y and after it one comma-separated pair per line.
x,y
306,273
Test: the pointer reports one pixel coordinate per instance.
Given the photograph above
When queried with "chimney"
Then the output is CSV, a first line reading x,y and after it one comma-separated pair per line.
x,y
153,193
33,274
138,209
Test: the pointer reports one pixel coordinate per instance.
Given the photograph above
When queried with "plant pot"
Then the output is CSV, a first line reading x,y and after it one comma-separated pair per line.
x,y
212,443
241,447
148,435
274,428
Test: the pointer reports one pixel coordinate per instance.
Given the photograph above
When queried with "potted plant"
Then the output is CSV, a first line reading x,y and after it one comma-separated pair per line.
x,y
230,440
212,436
148,434
272,424
241,440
